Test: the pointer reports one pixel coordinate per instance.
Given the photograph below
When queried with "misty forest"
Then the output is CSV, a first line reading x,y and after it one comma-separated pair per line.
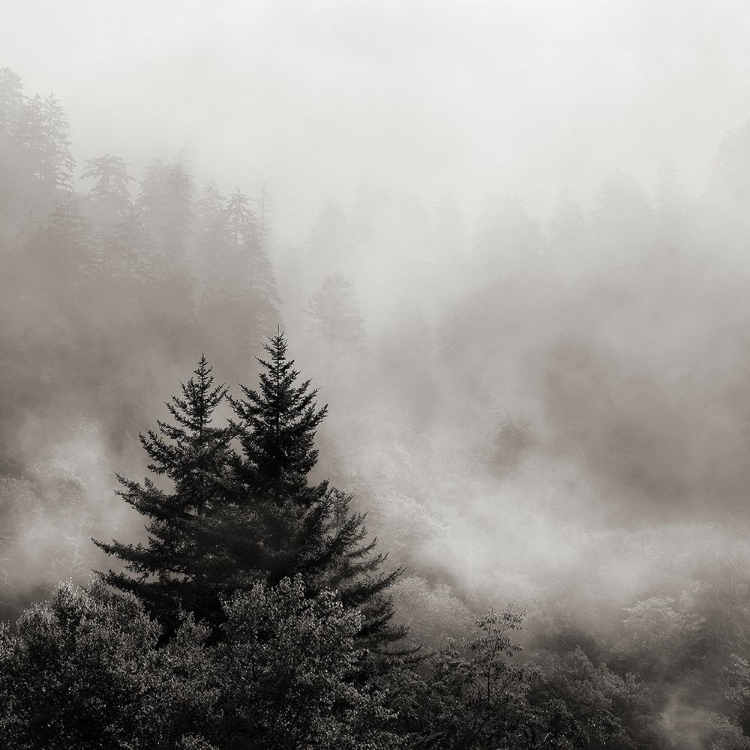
x,y
413,476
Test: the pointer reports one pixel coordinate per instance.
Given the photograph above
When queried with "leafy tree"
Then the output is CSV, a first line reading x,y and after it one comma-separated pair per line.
x,y
85,670
172,570
473,696
77,671
286,667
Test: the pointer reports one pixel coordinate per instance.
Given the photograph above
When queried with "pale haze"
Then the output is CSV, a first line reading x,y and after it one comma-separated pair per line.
x,y
318,98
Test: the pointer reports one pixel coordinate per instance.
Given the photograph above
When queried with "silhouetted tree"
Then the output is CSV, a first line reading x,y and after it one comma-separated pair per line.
x,y
171,570
310,528
111,189
336,317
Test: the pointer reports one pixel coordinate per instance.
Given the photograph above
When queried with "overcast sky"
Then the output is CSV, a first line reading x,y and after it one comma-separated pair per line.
x,y
422,96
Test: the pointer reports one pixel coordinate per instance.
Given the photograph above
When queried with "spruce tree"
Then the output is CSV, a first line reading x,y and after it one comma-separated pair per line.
x,y
234,519
312,530
169,572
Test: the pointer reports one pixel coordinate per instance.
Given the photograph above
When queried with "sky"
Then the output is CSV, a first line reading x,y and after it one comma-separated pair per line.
x,y
424,97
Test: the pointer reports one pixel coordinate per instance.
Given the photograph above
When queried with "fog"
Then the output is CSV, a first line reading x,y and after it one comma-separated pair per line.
x,y
532,218
319,98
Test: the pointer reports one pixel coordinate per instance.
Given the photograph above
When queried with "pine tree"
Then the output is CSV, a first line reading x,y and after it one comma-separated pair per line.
x,y
42,134
132,241
336,317
236,519
240,298
59,163
112,189
312,529
169,572
178,216
66,237
12,102
12,105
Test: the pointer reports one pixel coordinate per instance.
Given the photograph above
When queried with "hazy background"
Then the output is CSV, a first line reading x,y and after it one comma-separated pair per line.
x,y
320,97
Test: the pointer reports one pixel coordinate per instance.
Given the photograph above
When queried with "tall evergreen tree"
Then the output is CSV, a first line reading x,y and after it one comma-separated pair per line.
x,y
336,317
110,197
312,529
66,238
132,241
240,300
178,216
232,520
169,572
111,189
12,102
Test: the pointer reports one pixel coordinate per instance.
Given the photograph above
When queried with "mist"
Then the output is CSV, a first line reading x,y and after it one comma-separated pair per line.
x,y
508,243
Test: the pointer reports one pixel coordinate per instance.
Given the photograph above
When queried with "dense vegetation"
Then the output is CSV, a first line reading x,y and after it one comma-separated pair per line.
x,y
570,474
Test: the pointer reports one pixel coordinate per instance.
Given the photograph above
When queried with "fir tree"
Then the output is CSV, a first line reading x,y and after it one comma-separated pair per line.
x,y
312,529
132,241
235,519
178,217
336,318
111,190
66,237
169,572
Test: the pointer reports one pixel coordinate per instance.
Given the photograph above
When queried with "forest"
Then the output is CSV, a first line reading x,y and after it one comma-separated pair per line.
x,y
419,481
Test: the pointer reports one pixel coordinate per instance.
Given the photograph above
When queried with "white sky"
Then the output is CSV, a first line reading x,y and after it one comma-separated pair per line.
x,y
423,96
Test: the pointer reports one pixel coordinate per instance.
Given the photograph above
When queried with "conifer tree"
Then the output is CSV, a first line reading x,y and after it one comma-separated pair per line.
x,y
239,301
59,162
232,519
66,237
312,529
132,240
111,189
169,572
178,216
336,318
12,102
